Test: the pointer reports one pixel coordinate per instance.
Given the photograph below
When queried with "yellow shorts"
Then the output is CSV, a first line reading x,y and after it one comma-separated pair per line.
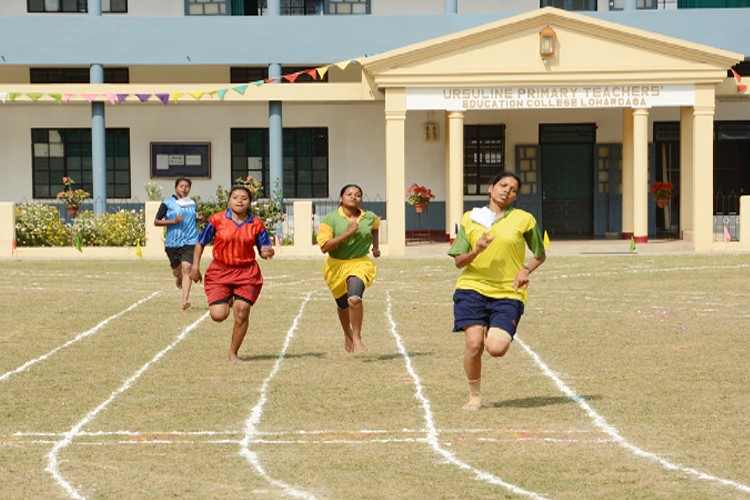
x,y
335,272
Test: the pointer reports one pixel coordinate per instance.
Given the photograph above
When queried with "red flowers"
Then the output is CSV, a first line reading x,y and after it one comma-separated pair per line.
x,y
662,190
419,194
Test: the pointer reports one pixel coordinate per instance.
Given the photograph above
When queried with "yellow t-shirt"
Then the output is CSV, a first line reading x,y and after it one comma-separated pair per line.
x,y
493,271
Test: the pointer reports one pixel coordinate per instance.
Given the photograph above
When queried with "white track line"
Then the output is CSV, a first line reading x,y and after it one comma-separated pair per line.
x,y
251,425
615,434
432,432
52,463
83,335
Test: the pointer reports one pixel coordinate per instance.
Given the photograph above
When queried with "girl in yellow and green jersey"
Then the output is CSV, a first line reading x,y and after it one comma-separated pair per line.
x,y
346,235
490,294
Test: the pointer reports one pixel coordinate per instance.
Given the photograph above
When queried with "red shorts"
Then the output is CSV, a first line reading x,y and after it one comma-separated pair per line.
x,y
223,281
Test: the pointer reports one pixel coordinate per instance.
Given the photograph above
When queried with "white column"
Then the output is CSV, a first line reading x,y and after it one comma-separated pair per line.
x,y
703,168
454,199
640,175
395,177
7,228
687,194
627,173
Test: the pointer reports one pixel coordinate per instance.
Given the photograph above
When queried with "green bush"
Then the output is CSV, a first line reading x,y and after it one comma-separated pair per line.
x,y
39,225
119,229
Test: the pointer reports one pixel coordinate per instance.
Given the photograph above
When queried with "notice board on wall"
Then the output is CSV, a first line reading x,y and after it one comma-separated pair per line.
x,y
173,159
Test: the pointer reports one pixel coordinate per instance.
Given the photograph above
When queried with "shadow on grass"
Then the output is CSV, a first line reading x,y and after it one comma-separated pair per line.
x,y
537,401
268,357
391,357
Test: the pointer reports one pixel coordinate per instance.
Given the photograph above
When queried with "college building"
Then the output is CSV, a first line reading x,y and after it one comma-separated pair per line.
x,y
590,102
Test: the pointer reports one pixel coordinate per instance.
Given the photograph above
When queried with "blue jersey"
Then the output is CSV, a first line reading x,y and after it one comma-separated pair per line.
x,y
186,232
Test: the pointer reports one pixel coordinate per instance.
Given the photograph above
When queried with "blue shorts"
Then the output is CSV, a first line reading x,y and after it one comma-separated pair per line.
x,y
472,308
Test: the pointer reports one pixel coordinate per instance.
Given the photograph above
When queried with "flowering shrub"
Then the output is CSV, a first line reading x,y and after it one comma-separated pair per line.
x,y
662,190
73,198
119,229
39,225
419,194
153,191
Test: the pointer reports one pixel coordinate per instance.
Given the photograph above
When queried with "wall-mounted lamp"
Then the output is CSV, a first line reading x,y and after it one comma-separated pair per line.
x,y
547,43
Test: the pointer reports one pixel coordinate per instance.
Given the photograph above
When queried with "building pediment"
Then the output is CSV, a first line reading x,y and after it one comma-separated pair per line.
x,y
586,50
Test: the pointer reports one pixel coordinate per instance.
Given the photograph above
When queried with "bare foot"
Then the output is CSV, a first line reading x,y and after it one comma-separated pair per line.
x,y
474,404
348,342
185,306
358,346
233,358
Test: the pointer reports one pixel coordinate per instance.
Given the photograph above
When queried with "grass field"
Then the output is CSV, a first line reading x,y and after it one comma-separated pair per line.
x,y
628,379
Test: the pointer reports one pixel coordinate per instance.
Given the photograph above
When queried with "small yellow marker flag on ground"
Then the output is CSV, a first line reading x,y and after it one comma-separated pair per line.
x,y
546,239
632,243
138,251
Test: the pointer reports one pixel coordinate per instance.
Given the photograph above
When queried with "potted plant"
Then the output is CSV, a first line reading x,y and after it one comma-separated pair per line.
x,y
662,193
419,196
73,198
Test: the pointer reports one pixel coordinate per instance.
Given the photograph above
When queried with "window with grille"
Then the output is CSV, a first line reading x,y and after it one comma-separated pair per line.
x,y
305,163
484,156
111,6
572,5
76,75
640,4
58,153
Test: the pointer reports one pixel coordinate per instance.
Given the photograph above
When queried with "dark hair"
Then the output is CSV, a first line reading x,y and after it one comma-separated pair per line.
x,y
343,189
503,175
182,178
242,187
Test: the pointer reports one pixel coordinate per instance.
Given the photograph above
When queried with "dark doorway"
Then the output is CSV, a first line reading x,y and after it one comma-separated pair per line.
x,y
568,179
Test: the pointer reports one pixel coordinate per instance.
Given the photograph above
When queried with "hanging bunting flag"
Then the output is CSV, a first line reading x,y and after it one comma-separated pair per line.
x,y
57,98
322,71
3,96
34,96
313,73
291,78
342,64
258,83
738,79
138,250
197,95
176,96
89,97
111,98
632,243
12,96
121,97
66,97
546,239
727,236
143,97
271,80
359,60
221,93
163,98
240,89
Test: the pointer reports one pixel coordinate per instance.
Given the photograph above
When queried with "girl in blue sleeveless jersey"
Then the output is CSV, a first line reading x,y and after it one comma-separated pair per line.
x,y
177,214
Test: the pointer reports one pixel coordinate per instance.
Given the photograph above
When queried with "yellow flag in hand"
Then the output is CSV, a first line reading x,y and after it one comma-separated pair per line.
x,y
546,239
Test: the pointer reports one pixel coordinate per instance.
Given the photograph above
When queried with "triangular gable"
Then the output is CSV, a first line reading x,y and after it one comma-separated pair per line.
x,y
587,50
